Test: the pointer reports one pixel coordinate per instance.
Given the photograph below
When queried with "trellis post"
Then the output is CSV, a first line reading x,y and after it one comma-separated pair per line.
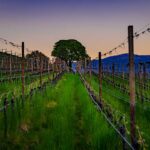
x,y
90,70
132,85
100,75
41,63
23,77
10,65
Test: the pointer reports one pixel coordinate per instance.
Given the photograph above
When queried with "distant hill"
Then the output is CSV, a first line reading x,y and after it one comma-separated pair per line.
x,y
123,59
119,61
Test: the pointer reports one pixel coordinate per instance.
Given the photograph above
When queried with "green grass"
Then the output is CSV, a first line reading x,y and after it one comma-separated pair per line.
x,y
125,82
7,89
61,117
110,95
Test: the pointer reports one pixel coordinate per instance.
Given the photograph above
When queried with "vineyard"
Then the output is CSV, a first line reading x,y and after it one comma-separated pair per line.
x,y
101,103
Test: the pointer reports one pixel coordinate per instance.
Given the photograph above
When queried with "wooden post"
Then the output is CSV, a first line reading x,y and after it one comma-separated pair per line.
x,y
140,82
32,65
132,85
123,71
113,72
100,76
144,74
23,77
48,65
6,64
90,71
118,70
2,66
107,70
59,66
10,66
85,65
57,69
41,69
53,67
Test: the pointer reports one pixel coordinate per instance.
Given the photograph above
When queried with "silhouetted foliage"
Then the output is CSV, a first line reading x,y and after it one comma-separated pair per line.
x,y
69,51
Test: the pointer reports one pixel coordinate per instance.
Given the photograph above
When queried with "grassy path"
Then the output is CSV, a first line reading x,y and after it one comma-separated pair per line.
x,y
62,117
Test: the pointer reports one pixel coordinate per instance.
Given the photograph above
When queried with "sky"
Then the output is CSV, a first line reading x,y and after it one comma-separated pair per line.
x,y
99,25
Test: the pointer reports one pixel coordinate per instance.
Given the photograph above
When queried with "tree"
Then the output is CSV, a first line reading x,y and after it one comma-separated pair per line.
x,y
69,51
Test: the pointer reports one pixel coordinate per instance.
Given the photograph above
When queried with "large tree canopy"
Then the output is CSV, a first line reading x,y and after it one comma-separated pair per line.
x,y
69,50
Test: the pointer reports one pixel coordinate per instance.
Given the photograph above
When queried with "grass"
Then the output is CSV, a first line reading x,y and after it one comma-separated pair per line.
x,y
111,94
125,82
7,89
60,117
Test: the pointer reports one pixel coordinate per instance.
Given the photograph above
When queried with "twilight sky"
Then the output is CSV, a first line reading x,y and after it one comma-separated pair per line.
x,y
99,24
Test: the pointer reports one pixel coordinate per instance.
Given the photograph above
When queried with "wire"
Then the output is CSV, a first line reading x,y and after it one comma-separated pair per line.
x,y
10,43
137,34
108,120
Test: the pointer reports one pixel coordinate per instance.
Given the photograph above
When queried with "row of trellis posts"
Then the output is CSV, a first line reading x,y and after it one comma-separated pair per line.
x,y
55,67
131,81
16,64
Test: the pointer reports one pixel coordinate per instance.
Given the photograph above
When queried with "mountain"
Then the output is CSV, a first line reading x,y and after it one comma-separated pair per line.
x,y
123,61
124,58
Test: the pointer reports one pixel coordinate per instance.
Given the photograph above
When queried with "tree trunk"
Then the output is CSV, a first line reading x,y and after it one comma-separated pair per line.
x,y
70,65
